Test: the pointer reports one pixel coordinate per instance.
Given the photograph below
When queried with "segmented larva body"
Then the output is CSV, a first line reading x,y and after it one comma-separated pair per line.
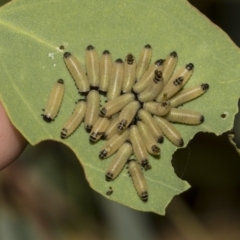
x,y
177,81
118,162
105,67
138,179
75,119
169,131
148,139
129,73
158,109
112,128
184,116
92,67
113,144
148,76
189,94
77,72
116,79
152,125
115,105
54,101
99,128
92,112
127,114
143,61
169,66
153,89
139,148
134,122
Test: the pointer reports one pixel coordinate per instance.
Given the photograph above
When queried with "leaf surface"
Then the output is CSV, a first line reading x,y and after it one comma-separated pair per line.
x,y
31,32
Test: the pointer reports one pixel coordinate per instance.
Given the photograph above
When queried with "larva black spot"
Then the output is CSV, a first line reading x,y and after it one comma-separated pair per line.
x,y
90,47
67,54
189,66
173,54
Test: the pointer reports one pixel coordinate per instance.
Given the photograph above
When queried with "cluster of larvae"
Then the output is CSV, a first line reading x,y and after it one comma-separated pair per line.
x,y
141,105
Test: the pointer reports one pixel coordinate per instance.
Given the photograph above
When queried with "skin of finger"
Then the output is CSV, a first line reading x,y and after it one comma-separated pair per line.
x,y
12,143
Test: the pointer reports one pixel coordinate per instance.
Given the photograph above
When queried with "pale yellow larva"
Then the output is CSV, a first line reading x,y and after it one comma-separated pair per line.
x,y
148,139
115,105
138,179
54,101
177,81
148,76
105,67
169,131
92,112
75,119
77,72
113,144
129,73
112,127
152,125
99,128
119,160
143,61
139,148
92,67
127,115
188,94
169,66
184,116
156,108
153,89
115,84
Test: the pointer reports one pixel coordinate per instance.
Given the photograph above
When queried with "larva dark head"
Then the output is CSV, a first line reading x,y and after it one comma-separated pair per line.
x,y
147,46
144,163
158,76
60,81
103,112
202,119
106,52
67,55
108,176
94,87
119,60
64,133
104,136
144,196
173,54
88,128
47,118
103,92
130,59
93,137
122,125
90,47
155,149
205,86
180,143
178,81
189,66
160,139
159,62
129,142
103,154
84,93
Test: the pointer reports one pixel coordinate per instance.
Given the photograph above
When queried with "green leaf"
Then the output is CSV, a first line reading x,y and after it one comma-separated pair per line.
x,y
31,32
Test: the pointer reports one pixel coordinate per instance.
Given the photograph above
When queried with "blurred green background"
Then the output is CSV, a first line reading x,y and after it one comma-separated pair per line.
x,y
44,194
